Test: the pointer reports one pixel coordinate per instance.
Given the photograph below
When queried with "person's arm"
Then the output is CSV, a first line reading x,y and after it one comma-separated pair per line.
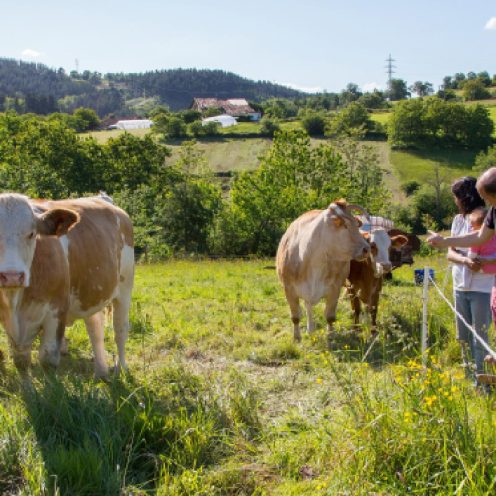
x,y
475,238
458,258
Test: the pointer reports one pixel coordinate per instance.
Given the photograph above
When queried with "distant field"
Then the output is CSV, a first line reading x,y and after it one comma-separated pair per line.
x,y
230,154
419,165
103,136
381,117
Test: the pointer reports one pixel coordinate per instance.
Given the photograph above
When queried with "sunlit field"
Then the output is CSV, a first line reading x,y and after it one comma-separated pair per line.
x,y
220,401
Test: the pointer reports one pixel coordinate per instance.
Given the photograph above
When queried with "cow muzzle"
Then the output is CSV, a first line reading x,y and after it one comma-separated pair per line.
x,y
12,279
387,267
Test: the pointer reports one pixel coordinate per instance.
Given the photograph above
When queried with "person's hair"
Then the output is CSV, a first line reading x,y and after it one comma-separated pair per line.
x,y
488,181
468,196
478,215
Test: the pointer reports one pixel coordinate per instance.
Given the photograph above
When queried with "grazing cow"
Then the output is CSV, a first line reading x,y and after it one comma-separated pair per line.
x,y
61,261
313,260
366,276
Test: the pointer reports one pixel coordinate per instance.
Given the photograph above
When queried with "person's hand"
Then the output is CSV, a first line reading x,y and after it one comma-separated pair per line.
x,y
473,264
435,240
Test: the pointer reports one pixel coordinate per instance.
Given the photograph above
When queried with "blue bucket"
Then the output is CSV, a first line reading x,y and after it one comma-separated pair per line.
x,y
419,276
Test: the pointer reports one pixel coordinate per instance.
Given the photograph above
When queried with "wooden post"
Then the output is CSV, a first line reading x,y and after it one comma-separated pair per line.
x,y
425,300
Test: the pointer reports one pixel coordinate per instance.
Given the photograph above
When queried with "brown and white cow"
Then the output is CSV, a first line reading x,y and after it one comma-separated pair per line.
x,y
313,260
366,276
61,261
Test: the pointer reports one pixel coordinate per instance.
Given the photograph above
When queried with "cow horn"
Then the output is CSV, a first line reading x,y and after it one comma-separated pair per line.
x,y
352,206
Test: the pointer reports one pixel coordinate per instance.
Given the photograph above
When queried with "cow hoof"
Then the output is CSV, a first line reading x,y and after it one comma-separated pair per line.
x,y
102,374
49,359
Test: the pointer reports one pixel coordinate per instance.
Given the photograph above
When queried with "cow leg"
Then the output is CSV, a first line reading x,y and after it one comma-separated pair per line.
x,y
21,357
310,319
355,306
294,306
121,308
330,307
95,329
51,340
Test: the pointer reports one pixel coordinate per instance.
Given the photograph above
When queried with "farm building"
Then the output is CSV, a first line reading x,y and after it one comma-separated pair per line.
x,y
132,124
235,107
224,120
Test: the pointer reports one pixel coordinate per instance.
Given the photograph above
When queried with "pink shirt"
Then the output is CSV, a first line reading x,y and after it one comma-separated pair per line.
x,y
487,250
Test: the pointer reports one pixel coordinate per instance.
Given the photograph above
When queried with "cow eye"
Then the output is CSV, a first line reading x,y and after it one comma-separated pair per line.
x,y
31,235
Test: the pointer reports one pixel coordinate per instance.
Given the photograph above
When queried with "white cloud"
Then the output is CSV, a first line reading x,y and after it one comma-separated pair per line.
x,y
369,87
29,53
306,89
491,24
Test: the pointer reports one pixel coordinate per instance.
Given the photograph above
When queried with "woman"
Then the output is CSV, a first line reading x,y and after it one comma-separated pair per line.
x,y
472,287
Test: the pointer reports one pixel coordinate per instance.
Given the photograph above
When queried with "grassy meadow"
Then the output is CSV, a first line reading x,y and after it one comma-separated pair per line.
x,y
220,401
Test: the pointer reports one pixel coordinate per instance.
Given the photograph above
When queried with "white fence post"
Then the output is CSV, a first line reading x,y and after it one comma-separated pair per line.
x,y
425,300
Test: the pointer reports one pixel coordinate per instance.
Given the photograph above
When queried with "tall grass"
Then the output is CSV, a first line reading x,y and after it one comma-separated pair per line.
x,y
220,401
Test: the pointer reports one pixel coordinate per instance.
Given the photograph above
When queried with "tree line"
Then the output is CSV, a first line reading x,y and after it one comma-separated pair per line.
x,y
179,206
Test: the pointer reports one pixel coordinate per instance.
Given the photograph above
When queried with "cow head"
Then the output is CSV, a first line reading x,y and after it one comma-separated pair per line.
x,y
20,226
352,243
380,246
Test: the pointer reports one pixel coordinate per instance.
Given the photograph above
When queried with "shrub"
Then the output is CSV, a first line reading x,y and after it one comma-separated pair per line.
x,y
268,126
314,123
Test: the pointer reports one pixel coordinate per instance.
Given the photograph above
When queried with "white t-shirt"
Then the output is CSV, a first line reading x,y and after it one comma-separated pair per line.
x,y
465,279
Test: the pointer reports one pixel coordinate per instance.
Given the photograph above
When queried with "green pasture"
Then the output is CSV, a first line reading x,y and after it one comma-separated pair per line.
x,y
419,165
220,401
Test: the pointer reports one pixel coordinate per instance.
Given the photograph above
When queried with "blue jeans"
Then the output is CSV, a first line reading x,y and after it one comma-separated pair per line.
x,y
475,307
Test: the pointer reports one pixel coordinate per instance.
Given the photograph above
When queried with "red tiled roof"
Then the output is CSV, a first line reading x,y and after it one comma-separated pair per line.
x,y
232,106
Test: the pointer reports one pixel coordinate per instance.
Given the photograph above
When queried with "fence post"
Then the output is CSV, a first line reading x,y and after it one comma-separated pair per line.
x,y
425,299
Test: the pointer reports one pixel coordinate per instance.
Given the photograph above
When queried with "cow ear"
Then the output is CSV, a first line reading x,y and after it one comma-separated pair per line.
x,y
56,222
399,241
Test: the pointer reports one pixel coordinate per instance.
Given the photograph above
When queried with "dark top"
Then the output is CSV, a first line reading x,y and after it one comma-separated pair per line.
x,y
490,219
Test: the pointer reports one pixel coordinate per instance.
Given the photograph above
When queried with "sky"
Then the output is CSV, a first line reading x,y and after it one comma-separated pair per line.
x,y
312,45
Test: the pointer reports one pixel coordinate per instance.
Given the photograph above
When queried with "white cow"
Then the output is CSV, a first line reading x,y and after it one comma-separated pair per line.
x,y
313,260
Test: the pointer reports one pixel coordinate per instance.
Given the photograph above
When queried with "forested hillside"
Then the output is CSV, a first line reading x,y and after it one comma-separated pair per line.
x,y
29,87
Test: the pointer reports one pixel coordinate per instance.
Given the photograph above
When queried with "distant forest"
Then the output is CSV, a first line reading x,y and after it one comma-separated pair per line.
x,y
31,87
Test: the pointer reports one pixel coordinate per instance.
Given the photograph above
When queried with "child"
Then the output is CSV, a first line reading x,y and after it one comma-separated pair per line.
x,y
485,253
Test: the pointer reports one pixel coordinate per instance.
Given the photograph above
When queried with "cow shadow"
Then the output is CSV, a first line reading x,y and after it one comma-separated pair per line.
x,y
85,431
390,343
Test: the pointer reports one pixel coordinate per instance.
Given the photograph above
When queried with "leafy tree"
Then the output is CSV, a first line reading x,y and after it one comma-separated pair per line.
x,y
280,108
269,126
421,88
314,123
484,78
352,120
132,161
87,119
434,121
397,90
485,160
373,100
350,94
190,115
293,177
474,89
